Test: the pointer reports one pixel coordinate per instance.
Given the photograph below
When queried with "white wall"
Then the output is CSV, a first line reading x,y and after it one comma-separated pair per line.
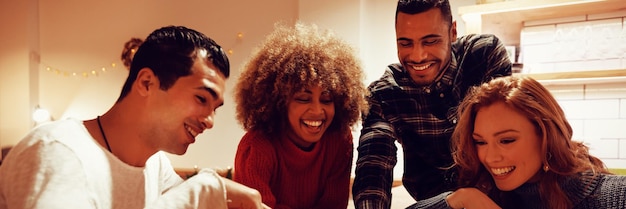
x,y
81,36
597,113
18,54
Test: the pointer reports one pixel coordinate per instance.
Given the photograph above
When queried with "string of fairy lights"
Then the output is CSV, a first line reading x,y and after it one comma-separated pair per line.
x,y
80,73
97,71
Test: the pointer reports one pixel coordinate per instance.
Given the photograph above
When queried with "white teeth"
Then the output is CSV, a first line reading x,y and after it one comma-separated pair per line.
x,y
420,68
314,123
502,171
191,131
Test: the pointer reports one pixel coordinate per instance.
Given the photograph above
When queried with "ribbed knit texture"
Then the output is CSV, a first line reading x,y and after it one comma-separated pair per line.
x,y
288,177
585,192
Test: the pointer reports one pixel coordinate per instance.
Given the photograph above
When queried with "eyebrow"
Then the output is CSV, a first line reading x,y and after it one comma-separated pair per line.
x,y
498,133
404,39
211,91
425,37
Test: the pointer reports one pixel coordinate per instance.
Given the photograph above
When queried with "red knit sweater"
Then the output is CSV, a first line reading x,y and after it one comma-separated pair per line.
x,y
288,177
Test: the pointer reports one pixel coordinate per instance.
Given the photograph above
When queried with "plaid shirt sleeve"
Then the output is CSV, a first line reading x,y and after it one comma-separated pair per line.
x,y
398,108
376,160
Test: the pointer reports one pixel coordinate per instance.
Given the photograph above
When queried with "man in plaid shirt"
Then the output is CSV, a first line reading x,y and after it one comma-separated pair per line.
x,y
415,103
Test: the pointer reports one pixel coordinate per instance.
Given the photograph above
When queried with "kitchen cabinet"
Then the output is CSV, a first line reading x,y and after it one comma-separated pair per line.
x,y
506,20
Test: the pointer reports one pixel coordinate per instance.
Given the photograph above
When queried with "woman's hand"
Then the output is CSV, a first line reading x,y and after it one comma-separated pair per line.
x,y
470,198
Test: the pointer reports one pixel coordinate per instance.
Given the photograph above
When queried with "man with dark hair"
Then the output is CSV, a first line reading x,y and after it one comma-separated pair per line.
x,y
175,84
414,102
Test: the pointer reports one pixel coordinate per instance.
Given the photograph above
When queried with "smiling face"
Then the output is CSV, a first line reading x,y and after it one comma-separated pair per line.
x,y
423,42
310,112
188,107
507,145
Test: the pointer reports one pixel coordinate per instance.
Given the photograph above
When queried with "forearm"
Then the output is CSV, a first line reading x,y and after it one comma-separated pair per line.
x,y
204,190
374,169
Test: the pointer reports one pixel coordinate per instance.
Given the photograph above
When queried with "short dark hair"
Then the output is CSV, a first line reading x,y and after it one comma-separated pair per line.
x,y
170,52
419,6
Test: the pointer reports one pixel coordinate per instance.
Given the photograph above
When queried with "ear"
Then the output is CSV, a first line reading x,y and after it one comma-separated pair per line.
x,y
146,82
453,33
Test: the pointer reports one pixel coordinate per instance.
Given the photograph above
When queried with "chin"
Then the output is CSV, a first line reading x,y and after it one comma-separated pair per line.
x,y
423,80
180,151
313,140
507,187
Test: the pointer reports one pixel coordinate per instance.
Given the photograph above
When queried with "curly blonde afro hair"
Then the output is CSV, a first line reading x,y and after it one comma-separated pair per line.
x,y
289,60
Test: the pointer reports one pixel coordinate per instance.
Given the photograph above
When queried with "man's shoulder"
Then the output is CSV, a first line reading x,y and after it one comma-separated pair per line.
x,y
476,42
70,133
54,131
391,79
257,139
52,139
473,38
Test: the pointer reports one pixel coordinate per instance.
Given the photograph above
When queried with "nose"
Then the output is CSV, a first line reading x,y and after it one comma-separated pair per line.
x,y
316,107
418,54
207,122
492,154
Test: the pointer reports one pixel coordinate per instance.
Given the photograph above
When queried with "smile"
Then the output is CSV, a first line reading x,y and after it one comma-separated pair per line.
x,y
313,123
191,131
420,68
502,171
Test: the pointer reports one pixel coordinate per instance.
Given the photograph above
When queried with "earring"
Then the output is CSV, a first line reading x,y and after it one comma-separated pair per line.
x,y
545,166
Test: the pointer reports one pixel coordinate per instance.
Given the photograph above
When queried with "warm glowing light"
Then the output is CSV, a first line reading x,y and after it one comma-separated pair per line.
x,y
41,115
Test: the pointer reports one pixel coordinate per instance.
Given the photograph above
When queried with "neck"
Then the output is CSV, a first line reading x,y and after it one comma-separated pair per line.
x,y
104,136
121,137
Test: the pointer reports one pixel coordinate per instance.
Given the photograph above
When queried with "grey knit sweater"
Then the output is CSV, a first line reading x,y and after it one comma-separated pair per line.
x,y
585,191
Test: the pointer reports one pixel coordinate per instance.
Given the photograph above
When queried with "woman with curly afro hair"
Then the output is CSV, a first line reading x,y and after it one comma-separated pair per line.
x,y
297,98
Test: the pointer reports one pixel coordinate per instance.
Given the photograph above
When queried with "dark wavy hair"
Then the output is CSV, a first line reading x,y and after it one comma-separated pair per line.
x,y
170,52
293,58
561,155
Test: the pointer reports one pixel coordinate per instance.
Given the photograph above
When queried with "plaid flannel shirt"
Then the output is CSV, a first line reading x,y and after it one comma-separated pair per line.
x,y
422,119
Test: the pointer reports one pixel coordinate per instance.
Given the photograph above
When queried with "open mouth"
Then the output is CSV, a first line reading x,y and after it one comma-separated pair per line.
x,y
502,171
191,132
313,123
